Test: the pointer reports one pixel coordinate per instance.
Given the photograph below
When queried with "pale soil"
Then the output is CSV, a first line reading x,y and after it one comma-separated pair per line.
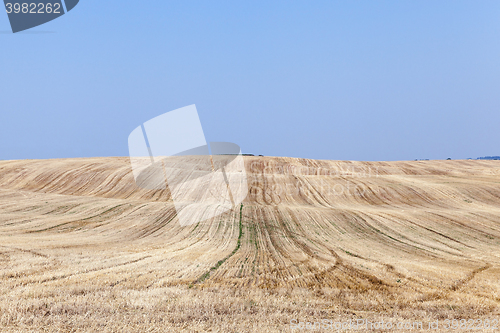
x,y
82,249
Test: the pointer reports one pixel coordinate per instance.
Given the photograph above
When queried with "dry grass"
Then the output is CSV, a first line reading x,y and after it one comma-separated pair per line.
x,y
82,249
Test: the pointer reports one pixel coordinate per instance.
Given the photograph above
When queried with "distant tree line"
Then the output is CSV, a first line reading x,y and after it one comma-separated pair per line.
x,y
489,158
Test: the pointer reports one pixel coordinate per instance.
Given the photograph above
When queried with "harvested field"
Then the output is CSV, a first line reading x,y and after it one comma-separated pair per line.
x,y
82,249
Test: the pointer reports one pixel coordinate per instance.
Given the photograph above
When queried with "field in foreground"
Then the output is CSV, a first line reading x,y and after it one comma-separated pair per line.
x,y
82,249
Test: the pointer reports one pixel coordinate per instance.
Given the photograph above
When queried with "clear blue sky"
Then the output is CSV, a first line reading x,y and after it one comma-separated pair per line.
x,y
346,80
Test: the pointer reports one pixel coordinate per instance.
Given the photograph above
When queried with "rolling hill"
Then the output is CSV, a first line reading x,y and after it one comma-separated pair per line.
x,y
82,248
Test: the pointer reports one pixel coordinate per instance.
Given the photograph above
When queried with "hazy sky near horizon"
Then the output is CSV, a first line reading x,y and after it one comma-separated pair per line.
x,y
342,80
